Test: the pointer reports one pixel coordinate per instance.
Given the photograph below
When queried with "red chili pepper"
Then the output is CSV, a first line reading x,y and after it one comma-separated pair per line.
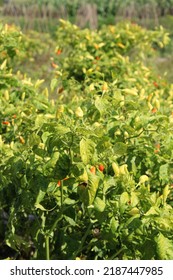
x,y
155,84
59,51
154,110
6,122
66,178
93,169
54,65
101,167
59,183
157,146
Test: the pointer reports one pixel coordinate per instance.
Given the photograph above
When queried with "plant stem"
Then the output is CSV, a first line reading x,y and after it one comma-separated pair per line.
x,y
62,198
47,247
82,242
116,254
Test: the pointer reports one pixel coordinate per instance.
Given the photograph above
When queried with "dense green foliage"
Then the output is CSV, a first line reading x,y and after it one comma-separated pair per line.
x,y
89,174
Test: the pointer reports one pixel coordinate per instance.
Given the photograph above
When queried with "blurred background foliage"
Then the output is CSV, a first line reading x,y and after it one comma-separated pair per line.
x,y
43,16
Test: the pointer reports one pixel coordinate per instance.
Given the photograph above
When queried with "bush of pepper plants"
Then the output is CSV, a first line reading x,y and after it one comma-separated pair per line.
x,y
86,167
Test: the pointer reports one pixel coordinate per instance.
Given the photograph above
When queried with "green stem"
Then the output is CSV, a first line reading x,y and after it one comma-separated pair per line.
x,y
82,242
47,247
116,254
62,195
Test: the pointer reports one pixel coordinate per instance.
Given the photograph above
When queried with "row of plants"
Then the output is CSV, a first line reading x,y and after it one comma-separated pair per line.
x,y
43,15
113,7
87,174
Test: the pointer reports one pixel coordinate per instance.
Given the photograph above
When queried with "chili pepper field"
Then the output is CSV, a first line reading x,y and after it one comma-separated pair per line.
x,y
86,161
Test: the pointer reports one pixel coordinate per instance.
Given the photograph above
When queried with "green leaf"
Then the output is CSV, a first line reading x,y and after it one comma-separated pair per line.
x,y
45,136
88,192
62,167
61,129
87,150
53,84
17,242
114,225
109,182
70,221
124,198
163,172
99,204
39,121
134,199
93,183
39,206
33,139
49,166
120,148
51,187
3,65
164,247
165,223
166,192
100,105
69,201
131,105
153,211
79,172
40,196
38,83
